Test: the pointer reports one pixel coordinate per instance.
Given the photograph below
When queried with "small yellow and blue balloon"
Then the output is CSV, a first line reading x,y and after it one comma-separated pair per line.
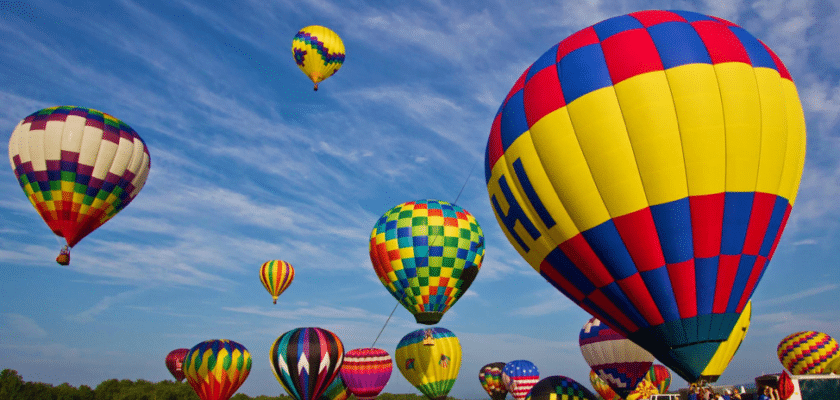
x,y
430,359
318,52
217,368
559,387
807,352
276,276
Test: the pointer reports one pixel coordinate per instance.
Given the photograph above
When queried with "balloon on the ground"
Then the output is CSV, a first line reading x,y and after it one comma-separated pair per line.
x,y
318,52
559,387
78,167
660,376
217,368
430,360
602,387
175,363
644,390
616,359
337,390
426,254
726,351
646,167
490,377
366,371
519,377
807,352
306,360
276,276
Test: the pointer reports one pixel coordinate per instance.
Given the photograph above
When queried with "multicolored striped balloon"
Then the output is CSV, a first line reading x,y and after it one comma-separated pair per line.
x,y
660,376
430,359
175,363
306,360
616,359
559,387
490,377
337,390
602,387
646,167
366,371
318,52
217,368
427,253
807,352
519,377
276,276
78,167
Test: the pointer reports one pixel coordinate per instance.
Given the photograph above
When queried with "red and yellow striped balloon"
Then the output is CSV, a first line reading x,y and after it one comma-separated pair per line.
x,y
276,276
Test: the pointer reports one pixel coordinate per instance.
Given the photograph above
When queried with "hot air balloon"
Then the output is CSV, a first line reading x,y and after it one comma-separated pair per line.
x,y
646,167
660,377
490,377
175,362
306,360
616,359
559,387
519,377
644,390
430,360
366,371
807,352
427,253
276,276
318,52
337,390
726,351
602,387
79,167
217,368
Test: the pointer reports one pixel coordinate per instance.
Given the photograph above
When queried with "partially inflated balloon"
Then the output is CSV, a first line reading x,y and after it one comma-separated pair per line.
x,y
616,359
217,368
646,166
306,360
318,52
430,360
337,390
602,387
427,253
660,377
519,377
366,371
490,377
276,276
728,348
559,387
644,390
175,363
79,167
807,352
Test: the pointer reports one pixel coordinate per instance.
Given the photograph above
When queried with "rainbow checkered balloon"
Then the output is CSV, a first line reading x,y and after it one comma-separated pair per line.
x,y
807,352
217,368
427,253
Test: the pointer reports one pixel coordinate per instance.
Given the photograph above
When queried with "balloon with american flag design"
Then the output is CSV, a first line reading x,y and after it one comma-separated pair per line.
x,y
519,377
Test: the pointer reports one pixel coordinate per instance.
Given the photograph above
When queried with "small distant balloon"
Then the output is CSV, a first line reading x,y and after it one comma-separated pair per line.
x,y
490,377
276,276
519,377
175,363
318,52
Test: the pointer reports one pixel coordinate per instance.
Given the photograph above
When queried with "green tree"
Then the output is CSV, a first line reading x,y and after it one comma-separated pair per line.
x,y
10,384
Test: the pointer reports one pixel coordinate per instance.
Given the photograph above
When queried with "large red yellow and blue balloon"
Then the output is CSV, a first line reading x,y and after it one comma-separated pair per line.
x,y
426,254
217,368
318,52
306,360
78,167
430,359
646,167
807,352
276,276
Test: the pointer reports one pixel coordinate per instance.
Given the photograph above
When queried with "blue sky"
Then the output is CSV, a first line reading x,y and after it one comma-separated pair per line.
x,y
249,164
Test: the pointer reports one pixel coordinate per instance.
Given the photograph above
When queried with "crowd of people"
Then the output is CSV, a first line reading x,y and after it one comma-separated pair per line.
x,y
707,393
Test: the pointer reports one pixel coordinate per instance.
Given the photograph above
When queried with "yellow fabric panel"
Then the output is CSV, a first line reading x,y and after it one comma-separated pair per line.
x,y
651,121
599,126
405,252
773,130
696,97
575,203
742,116
730,346
795,154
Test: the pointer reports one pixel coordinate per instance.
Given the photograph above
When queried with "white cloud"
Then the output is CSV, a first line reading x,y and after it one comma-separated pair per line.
x,y
21,326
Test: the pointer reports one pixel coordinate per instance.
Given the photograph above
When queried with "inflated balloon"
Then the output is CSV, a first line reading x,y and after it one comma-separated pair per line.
x,y
337,390
366,371
660,377
602,387
833,366
430,360
519,377
490,377
616,359
807,352
276,276
318,52
726,351
79,167
644,390
427,253
786,387
559,387
646,166
217,368
175,363
306,360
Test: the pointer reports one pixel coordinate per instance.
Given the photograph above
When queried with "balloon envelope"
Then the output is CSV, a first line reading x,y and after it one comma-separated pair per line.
x,y
430,360
366,371
602,387
318,52
306,360
276,276
426,254
175,363
337,390
519,377
217,368
490,377
644,390
726,351
660,377
559,387
646,167
616,359
807,352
